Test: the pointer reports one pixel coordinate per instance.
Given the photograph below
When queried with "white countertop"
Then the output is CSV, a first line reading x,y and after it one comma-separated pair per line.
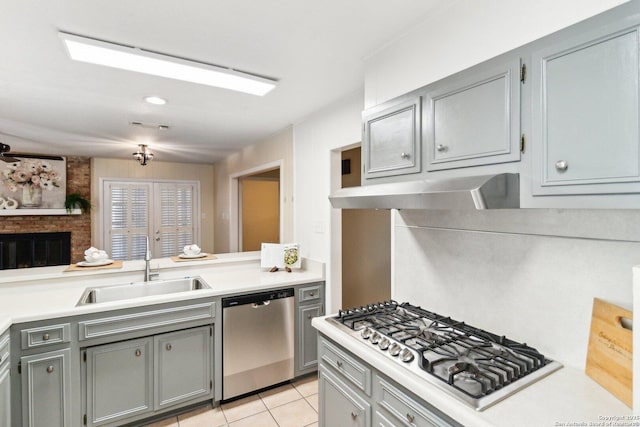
x,y
565,397
49,292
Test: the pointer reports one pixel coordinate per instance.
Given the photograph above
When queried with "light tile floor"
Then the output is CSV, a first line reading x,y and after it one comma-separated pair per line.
x,y
290,405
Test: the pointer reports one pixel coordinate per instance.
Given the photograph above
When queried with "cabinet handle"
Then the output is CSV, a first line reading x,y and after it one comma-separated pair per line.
x,y
441,148
49,369
410,418
562,165
308,316
168,347
339,363
157,239
354,415
45,337
312,294
138,353
405,156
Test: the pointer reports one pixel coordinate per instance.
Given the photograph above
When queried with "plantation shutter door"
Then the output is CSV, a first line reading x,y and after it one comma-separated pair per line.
x,y
175,208
128,223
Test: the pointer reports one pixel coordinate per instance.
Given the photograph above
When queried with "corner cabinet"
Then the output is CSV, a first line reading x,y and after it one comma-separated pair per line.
x,y
392,138
5,383
585,113
473,117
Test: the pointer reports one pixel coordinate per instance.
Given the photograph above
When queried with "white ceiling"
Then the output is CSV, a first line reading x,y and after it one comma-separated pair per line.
x,y
52,105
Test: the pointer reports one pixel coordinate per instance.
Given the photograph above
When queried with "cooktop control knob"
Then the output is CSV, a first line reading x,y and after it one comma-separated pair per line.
x,y
375,338
366,333
394,350
406,355
384,343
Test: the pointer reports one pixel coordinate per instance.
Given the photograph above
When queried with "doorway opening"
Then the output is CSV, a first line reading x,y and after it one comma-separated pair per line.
x,y
259,209
366,244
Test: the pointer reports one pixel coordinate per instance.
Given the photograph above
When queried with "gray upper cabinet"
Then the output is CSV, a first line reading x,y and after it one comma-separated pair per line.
x,y
46,393
392,141
473,117
585,113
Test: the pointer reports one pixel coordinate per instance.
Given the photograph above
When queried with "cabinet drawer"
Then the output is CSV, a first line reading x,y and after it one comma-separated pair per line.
x,y
350,368
403,408
46,335
311,293
173,316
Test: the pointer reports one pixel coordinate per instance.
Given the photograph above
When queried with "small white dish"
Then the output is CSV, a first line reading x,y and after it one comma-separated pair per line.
x,y
95,263
185,256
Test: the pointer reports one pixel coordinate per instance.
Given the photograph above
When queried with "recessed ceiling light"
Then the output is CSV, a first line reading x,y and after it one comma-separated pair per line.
x,y
143,61
155,100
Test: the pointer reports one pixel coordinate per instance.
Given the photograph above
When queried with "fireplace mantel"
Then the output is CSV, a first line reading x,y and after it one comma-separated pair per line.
x,y
23,212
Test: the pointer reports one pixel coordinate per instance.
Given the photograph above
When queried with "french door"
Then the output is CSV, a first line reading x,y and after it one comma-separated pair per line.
x,y
164,211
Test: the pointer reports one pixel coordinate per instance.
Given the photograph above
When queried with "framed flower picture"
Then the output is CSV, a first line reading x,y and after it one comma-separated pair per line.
x,y
33,182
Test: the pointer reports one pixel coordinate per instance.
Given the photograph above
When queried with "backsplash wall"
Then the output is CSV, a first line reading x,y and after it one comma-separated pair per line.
x,y
528,274
78,181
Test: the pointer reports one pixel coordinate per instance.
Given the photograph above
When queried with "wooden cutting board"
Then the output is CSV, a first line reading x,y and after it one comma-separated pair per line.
x,y
610,354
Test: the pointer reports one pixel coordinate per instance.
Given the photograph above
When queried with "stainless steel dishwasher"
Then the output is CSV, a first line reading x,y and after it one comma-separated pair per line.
x,y
257,341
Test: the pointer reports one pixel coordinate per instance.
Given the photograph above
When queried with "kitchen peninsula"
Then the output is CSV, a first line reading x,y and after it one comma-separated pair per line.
x,y
166,348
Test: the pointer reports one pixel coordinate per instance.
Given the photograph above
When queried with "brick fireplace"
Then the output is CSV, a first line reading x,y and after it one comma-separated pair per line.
x,y
78,181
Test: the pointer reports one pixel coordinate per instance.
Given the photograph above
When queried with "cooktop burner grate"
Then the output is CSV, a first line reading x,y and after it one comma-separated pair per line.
x,y
473,362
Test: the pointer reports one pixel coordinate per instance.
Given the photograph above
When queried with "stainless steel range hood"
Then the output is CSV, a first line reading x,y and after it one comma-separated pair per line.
x,y
501,191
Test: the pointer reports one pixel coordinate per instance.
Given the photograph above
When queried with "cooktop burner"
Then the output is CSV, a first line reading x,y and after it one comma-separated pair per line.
x,y
477,366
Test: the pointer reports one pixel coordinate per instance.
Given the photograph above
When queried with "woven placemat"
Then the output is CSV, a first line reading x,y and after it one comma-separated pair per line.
x,y
76,267
178,259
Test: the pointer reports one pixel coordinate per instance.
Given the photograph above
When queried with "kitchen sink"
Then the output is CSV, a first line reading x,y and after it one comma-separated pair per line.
x,y
96,295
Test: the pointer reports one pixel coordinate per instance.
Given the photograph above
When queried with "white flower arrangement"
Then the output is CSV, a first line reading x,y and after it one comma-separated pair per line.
x,y
37,174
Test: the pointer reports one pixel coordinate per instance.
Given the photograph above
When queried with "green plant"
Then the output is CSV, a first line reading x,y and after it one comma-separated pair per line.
x,y
74,201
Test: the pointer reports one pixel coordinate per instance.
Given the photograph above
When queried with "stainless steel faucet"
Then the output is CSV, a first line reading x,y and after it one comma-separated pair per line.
x,y
148,274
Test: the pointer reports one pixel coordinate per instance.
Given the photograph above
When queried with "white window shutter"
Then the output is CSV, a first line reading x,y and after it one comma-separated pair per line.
x,y
127,224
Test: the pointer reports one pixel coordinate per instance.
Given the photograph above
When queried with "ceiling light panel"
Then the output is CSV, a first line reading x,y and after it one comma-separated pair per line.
x,y
133,59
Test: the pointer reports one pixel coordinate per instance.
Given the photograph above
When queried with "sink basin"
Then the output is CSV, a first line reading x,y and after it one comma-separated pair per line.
x,y
95,295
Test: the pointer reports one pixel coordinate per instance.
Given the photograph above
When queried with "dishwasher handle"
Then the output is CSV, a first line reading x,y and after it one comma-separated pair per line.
x,y
261,304
259,298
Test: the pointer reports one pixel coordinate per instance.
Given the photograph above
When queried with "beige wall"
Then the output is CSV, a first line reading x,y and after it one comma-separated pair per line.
x,y
366,246
260,213
129,169
278,147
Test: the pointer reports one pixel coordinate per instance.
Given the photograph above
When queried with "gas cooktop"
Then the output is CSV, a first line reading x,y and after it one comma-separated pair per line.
x,y
476,366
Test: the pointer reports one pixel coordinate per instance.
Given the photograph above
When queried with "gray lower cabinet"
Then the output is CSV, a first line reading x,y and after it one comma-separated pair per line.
x,y
340,405
184,364
119,381
586,117
352,393
5,383
127,380
5,398
46,399
310,304
308,356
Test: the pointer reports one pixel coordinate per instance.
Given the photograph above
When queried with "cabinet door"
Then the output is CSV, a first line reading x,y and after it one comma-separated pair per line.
x,y
586,116
339,404
308,337
392,139
119,381
183,366
46,389
5,398
474,118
